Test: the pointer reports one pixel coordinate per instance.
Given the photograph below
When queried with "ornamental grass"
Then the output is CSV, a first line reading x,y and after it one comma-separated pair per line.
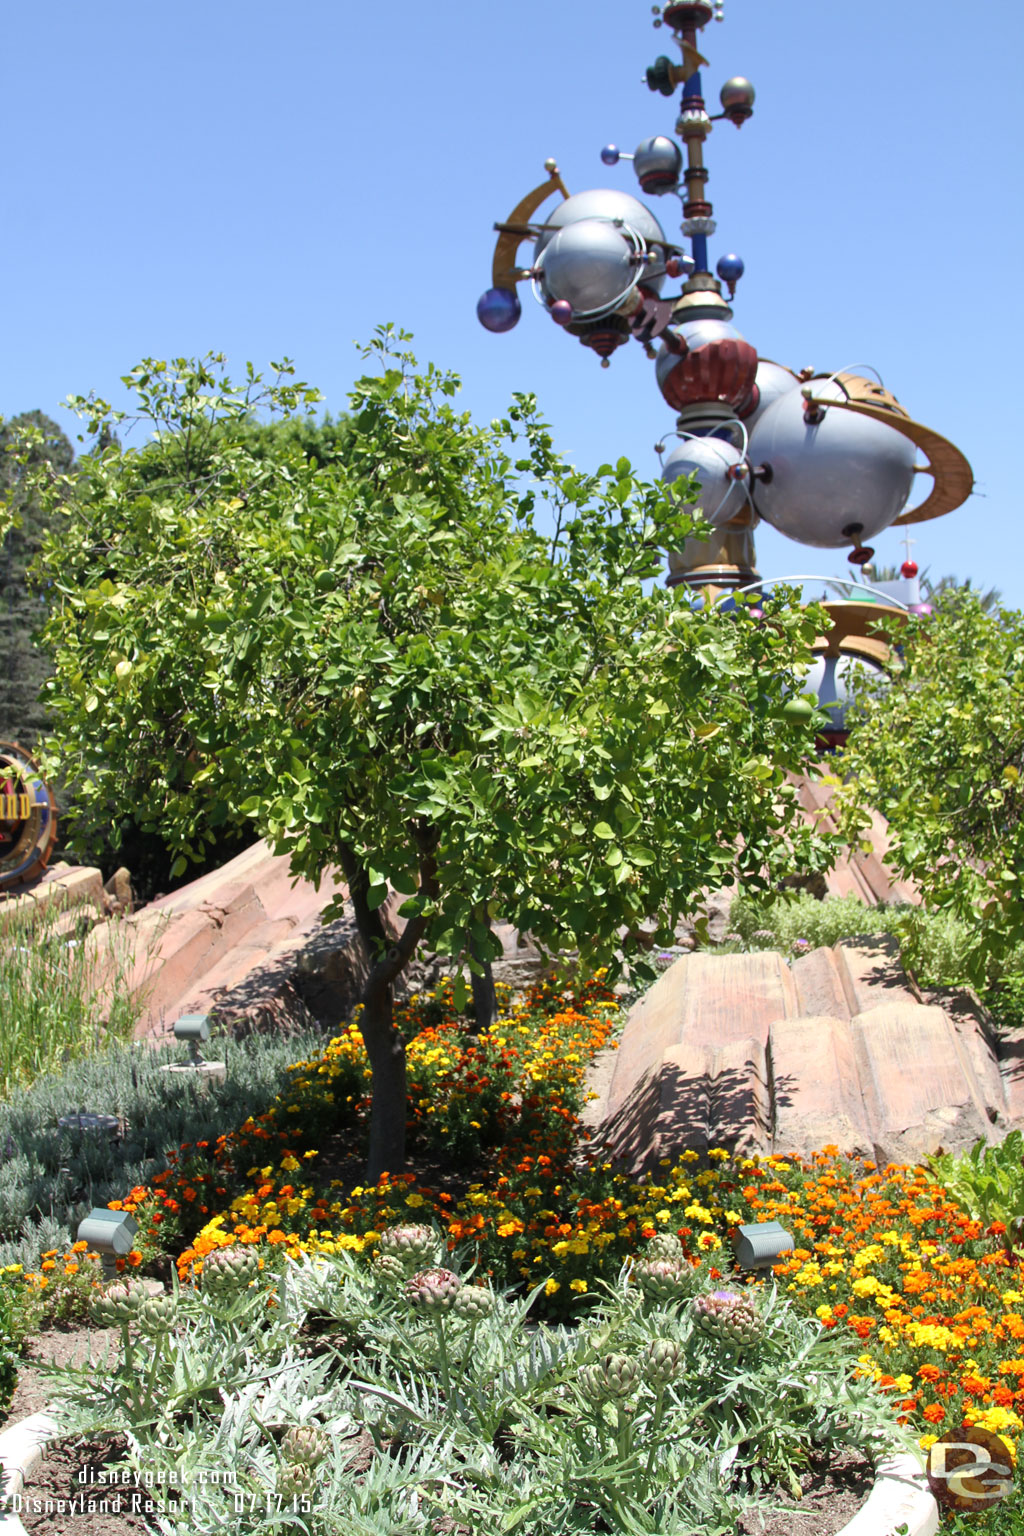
x,y
883,1254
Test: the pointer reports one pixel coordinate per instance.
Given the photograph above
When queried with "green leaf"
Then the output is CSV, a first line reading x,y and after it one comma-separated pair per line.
x,y
603,830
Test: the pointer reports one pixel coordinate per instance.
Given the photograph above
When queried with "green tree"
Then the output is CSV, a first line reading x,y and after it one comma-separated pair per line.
x,y
32,448
386,666
938,748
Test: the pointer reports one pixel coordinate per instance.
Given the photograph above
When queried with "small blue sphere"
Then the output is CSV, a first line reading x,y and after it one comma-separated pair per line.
x,y
730,268
498,309
610,155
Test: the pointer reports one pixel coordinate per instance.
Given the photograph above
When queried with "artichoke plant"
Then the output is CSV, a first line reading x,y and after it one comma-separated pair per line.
x,y
662,1279
663,1360
433,1290
611,1376
664,1245
305,1445
473,1302
729,1317
295,1480
231,1268
157,1314
118,1304
414,1246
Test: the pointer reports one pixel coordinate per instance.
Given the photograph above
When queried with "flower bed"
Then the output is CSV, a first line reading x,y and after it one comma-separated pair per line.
x,y
883,1255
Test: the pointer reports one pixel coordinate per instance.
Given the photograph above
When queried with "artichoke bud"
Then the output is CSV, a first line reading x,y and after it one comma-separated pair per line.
x,y
388,1267
433,1290
611,1376
663,1361
664,1245
662,1279
230,1268
294,1480
156,1315
473,1302
305,1444
119,1303
415,1246
728,1317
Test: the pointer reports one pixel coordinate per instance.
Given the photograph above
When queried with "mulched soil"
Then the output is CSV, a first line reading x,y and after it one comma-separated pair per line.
x,y
832,1494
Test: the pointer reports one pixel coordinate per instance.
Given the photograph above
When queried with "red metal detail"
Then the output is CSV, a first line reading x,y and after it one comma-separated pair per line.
x,y
693,13
861,555
604,342
723,370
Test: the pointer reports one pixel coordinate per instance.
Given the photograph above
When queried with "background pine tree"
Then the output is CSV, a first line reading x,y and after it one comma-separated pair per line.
x,y
22,665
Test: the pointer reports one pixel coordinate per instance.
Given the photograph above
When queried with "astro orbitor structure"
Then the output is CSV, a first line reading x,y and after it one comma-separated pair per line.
x,y
828,459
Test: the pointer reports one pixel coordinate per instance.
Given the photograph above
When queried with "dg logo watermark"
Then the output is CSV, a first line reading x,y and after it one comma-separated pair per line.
x,y
969,1469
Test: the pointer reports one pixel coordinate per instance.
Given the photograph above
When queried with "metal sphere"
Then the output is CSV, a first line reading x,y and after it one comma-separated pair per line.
x,y
561,312
716,365
730,268
603,203
832,680
610,155
835,482
591,265
657,163
721,498
498,309
908,569
737,92
770,381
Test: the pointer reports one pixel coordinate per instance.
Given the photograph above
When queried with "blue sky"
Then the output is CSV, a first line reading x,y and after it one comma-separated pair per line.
x,y
266,180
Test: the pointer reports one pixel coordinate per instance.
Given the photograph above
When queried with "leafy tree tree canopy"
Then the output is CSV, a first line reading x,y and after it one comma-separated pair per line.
x,y
386,666
939,750
32,449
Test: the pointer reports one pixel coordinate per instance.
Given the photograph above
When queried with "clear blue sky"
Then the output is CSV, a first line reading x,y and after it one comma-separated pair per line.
x,y
263,179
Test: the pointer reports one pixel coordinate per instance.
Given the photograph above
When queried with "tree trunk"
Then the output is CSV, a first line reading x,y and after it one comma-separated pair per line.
x,y
485,1001
386,1050
384,1045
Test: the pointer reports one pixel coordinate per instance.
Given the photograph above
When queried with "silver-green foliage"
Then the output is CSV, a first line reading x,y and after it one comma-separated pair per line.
x,y
50,1178
484,1420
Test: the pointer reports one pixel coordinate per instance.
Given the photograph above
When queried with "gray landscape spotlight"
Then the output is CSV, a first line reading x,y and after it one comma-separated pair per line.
x,y
760,1244
110,1234
194,1028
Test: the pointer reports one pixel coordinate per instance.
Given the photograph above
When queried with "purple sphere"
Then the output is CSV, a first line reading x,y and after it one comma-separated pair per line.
x,y
610,155
498,309
730,268
922,609
561,312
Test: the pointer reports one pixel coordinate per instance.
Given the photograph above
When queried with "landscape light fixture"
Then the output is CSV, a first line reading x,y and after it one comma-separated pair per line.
x,y
194,1029
111,1234
760,1244
85,1120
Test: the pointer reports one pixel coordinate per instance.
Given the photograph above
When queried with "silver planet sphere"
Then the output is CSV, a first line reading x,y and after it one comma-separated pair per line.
x,y
590,265
832,679
834,483
737,92
772,380
604,203
720,498
657,163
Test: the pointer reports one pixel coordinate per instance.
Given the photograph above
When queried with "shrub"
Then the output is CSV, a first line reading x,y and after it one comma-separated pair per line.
x,y
50,1178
